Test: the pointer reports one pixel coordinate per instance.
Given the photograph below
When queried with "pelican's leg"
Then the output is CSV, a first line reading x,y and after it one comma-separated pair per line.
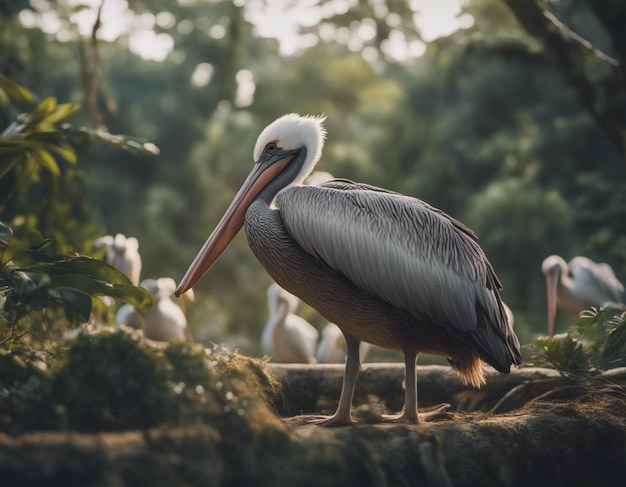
x,y
409,412
353,363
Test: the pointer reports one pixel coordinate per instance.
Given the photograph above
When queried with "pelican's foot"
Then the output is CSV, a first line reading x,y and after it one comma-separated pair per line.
x,y
437,413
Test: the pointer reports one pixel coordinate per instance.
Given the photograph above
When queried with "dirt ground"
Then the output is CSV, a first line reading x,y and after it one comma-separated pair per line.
x,y
570,432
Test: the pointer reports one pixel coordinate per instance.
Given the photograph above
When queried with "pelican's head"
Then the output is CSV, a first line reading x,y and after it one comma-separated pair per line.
x,y
276,296
292,132
553,264
284,154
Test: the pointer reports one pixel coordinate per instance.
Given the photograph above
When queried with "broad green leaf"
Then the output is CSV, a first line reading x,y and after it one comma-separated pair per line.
x,y
15,91
16,248
62,111
42,110
64,150
91,276
58,265
26,282
134,295
45,160
39,246
74,301
9,144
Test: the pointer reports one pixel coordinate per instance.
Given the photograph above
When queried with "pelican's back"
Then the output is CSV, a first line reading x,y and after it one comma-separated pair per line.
x,y
408,254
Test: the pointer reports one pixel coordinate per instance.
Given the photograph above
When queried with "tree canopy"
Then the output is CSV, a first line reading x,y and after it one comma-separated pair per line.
x,y
512,122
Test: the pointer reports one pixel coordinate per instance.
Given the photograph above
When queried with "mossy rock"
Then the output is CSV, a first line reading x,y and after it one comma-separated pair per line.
x,y
572,441
114,380
203,417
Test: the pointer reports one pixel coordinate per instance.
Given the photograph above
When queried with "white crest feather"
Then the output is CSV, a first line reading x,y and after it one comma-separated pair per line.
x,y
292,131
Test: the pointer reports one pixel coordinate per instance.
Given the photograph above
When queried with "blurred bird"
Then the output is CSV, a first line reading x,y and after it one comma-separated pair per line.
x,y
509,314
123,254
287,337
183,298
332,346
126,315
164,321
317,178
590,284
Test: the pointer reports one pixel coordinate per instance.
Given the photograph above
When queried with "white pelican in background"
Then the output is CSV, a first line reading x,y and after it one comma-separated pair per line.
x,y
287,337
332,347
590,284
164,321
388,269
509,314
317,178
123,254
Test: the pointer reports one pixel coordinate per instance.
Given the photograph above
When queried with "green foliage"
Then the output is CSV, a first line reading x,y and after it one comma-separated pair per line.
x,y
604,334
41,186
211,383
25,394
614,350
29,144
595,341
564,353
10,91
32,280
110,380
481,125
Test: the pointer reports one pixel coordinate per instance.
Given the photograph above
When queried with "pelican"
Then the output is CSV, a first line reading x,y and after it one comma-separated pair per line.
x,y
287,337
388,269
317,178
509,314
123,254
164,321
591,284
332,346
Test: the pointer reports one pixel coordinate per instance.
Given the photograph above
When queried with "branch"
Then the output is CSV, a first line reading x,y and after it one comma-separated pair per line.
x,y
577,59
611,13
91,73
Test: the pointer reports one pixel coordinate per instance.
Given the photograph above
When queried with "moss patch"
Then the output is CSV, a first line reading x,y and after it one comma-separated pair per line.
x,y
113,380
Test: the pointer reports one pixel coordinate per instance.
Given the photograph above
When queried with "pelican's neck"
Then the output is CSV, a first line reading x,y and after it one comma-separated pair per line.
x,y
565,284
283,311
295,172
279,309
568,293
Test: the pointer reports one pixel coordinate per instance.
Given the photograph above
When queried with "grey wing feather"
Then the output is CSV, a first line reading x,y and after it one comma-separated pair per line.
x,y
396,247
600,277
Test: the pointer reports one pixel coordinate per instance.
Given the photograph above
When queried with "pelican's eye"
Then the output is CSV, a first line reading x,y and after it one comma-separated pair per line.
x,y
271,147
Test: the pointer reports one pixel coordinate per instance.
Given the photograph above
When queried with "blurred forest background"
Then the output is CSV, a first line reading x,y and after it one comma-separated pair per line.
x,y
478,115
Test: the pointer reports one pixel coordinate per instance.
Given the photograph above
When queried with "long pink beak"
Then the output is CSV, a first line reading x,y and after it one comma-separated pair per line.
x,y
551,285
231,222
